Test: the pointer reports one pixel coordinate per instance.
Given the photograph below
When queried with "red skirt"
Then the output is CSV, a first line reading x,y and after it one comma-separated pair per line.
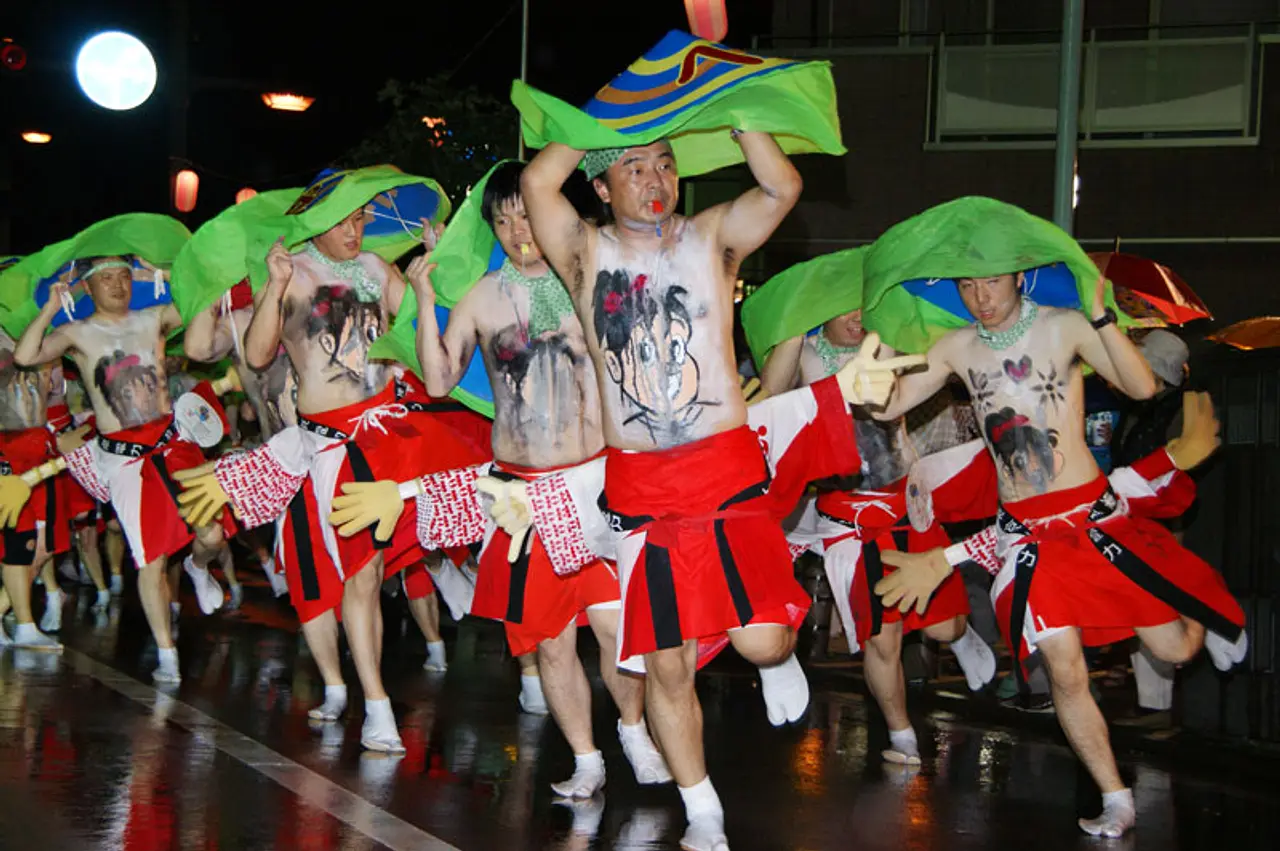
x,y
706,553
143,492
881,518
534,602
1104,578
418,583
45,516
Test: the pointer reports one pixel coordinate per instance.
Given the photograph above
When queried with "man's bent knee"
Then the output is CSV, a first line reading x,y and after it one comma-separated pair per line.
x,y
763,645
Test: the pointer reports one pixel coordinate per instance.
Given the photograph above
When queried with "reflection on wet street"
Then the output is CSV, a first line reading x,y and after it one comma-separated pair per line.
x,y
93,756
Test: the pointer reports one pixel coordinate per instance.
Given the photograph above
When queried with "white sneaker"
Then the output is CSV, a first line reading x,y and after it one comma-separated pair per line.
x,y
208,591
103,600
117,585
237,598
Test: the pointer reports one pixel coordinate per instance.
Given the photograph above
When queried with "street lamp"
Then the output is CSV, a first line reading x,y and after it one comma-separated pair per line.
x,y
35,137
287,101
116,71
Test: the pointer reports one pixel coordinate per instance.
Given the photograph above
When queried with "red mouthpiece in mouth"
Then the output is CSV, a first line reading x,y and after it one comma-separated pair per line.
x,y
657,207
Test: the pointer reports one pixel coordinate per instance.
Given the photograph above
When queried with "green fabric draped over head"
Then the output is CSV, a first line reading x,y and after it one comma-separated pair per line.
x,y
152,237
462,257
218,255
969,237
799,299
691,91
334,196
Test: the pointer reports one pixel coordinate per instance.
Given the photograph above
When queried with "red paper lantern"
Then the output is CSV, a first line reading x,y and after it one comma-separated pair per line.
x,y
186,185
12,56
245,194
707,19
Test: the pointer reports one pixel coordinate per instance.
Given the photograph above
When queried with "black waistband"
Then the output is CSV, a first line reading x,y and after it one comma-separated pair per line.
x,y
136,450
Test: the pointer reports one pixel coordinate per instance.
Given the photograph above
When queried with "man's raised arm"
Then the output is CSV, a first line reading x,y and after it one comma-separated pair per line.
x,y
558,229
1110,351
206,339
262,340
442,357
35,348
751,219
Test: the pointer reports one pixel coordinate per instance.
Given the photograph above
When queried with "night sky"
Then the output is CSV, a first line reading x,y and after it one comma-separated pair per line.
x,y
102,163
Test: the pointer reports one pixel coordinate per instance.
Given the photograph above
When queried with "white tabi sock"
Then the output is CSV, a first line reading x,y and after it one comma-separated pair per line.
x,y
167,671
1118,816
27,636
646,761
379,732
1226,654
975,658
335,703
531,697
588,777
435,657
903,747
706,818
785,690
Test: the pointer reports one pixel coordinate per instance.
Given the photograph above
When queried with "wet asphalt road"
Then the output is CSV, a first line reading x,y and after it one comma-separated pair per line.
x,y
92,756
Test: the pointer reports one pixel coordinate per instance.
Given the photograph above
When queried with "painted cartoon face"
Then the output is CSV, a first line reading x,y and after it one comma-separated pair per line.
x,y
993,301
135,390
655,368
645,340
345,328
22,394
1023,450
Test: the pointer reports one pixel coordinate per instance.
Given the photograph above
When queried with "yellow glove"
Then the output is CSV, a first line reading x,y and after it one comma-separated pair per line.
x,y
14,493
510,510
1199,438
364,503
866,380
70,441
917,576
202,498
227,383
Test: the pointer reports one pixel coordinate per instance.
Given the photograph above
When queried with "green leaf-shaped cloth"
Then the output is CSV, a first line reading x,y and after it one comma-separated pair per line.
x,y
795,301
462,256
691,91
217,256
909,293
335,195
24,286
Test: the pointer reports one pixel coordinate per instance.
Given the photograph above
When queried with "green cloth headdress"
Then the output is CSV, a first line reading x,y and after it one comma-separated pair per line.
x,y
218,255
24,286
690,91
909,292
799,299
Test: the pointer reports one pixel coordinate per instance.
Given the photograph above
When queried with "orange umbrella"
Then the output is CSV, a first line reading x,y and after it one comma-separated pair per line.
x,y
1158,286
1261,332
